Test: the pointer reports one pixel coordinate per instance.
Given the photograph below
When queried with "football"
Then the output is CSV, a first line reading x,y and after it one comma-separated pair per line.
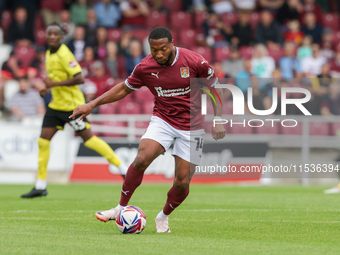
x,y
131,220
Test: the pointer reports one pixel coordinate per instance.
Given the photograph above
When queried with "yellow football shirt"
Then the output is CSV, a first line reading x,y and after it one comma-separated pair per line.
x,y
61,66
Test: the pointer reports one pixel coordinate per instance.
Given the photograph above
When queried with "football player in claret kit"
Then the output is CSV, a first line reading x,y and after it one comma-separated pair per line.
x,y
64,74
166,72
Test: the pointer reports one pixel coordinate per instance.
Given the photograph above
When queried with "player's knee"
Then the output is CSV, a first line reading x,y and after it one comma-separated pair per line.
x,y
141,163
182,185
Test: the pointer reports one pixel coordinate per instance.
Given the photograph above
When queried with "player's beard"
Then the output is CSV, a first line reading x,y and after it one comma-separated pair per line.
x,y
167,61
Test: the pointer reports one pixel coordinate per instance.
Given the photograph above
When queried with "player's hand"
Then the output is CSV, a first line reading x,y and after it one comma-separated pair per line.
x,y
48,82
42,92
84,110
218,132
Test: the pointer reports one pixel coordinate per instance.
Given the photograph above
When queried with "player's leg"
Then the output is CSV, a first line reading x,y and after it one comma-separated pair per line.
x,y
93,142
148,151
46,135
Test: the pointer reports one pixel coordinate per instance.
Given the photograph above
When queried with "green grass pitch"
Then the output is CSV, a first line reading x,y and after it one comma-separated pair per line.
x,y
214,219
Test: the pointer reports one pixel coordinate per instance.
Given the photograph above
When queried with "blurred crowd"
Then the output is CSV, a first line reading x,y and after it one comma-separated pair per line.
x,y
250,43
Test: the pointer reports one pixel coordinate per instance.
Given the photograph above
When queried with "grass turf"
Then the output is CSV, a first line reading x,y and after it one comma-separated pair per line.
x,y
213,220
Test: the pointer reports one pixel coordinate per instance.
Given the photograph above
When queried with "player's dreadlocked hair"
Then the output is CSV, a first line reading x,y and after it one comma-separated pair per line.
x,y
57,25
160,32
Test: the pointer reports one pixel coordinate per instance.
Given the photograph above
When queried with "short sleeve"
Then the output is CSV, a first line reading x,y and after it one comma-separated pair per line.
x,y
135,80
70,64
204,70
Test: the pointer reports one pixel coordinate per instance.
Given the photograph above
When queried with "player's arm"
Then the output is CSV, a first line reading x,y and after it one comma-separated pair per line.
x,y
118,92
75,80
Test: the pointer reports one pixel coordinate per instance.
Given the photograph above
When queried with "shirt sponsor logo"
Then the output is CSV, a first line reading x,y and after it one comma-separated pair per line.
x,y
185,72
73,63
172,92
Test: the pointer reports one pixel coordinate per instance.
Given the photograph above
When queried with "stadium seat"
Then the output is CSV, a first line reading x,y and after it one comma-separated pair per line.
x,y
292,130
336,38
173,5
335,129
129,108
55,5
246,52
239,128
25,54
204,51
276,54
114,124
156,19
222,53
107,108
229,18
227,107
39,22
254,20
143,94
175,37
40,36
148,107
114,34
140,34
6,19
180,20
331,21
318,128
268,128
199,18
188,38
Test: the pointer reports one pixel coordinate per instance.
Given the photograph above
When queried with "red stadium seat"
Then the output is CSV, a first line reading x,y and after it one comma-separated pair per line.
x,y
318,128
148,107
227,107
156,19
40,36
25,54
54,6
114,124
114,34
254,20
229,18
292,130
268,128
180,20
173,5
335,129
143,94
246,52
240,128
221,53
175,36
276,54
188,37
204,51
107,108
129,108
199,18
331,21
39,22
140,34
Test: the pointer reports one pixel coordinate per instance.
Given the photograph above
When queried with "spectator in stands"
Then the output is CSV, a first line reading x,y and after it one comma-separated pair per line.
x,y
20,32
244,5
331,102
91,27
268,31
270,5
311,27
87,62
100,44
27,102
196,6
108,14
221,6
114,64
290,10
327,47
215,31
125,41
234,64
311,6
335,64
294,33
324,79
289,64
258,95
78,11
219,70
242,79
262,65
78,43
67,25
241,33
50,12
306,48
134,12
311,66
135,55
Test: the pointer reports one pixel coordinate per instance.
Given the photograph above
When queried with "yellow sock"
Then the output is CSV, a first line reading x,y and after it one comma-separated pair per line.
x,y
44,155
103,149
339,185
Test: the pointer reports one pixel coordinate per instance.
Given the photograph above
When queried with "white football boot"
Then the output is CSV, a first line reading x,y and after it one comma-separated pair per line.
x,y
332,190
162,225
107,215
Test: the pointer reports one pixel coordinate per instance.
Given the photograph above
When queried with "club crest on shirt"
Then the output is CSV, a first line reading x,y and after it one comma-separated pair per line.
x,y
73,63
185,72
